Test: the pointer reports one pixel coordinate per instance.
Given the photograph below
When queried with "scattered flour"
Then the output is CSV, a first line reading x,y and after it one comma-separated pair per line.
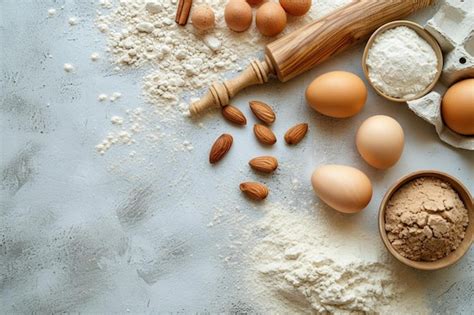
x,y
298,270
116,120
105,4
188,146
115,96
153,7
183,61
104,28
73,21
68,67
122,137
51,12
217,218
95,56
135,120
143,32
102,97
401,63
321,8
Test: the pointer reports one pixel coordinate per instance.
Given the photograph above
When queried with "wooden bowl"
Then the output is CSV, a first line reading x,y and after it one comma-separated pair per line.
x,y
455,255
423,34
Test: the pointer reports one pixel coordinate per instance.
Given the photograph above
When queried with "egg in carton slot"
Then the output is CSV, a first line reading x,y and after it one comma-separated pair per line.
x,y
453,27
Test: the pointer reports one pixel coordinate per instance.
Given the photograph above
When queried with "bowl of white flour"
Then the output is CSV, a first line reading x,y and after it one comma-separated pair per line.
x,y
402,61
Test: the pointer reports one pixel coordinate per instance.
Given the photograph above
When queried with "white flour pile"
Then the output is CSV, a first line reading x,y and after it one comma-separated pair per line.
x,y
183,61
295,271
401,63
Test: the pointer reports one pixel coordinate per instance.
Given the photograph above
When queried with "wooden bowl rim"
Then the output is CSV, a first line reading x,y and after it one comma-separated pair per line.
x,y
426,36
455,255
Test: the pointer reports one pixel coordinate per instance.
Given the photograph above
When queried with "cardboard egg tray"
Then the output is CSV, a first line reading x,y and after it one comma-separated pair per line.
x,y
453,27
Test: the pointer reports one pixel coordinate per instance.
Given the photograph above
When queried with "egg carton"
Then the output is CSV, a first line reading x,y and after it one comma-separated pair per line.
x,y
453,27
429,108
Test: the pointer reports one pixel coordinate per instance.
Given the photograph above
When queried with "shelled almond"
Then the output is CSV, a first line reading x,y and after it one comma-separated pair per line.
x,y
234,115
254,190
264,164
263,112
264,134
220,148
295,134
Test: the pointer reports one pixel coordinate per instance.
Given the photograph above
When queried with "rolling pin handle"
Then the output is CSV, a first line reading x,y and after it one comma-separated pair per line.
x,y
219,94
205,103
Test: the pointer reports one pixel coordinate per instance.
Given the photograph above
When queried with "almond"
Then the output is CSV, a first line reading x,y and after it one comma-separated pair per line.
x,y
220,147
264,164
234,115
295,134
264,134
254,190
263,112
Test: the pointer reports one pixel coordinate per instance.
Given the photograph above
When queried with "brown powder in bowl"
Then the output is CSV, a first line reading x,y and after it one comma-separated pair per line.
x,y
426,219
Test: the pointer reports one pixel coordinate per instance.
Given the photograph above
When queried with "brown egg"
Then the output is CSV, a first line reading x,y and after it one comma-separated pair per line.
x,y
202,17
238,15
271,19
337,94
296,7
343,188
457,107
254,2
380,141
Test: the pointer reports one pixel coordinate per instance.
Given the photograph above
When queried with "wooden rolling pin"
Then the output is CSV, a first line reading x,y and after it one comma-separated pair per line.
x,y
310,45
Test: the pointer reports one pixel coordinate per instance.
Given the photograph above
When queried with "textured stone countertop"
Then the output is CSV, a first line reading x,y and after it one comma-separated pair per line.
x,y
81,232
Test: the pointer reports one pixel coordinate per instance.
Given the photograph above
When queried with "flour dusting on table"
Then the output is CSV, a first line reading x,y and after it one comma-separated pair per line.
x,y
298,269
183,61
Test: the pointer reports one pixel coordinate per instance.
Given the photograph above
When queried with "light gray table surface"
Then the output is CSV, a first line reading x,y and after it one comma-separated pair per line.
x,y
77,236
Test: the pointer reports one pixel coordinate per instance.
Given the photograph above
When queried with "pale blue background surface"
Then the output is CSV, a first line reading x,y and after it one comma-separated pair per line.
x,y
77,237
